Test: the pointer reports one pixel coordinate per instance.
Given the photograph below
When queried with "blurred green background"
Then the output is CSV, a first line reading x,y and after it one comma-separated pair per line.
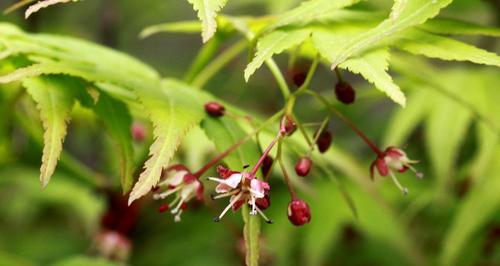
x,y
451,217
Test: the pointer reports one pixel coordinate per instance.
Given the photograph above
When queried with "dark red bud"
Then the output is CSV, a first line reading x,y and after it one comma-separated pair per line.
x,y
263,203
303,166
324,141
138,131
298,78
299,212
163,208
184,206
266,165
288,126
215,109
345,92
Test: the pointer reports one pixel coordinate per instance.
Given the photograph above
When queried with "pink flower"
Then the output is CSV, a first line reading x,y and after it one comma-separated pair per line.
x,y
394,159
181,183
242,188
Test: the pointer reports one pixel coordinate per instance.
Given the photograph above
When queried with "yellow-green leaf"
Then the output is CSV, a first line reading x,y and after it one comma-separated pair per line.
x,y
54,100
435,46
412,13
207,12
173,110
274,43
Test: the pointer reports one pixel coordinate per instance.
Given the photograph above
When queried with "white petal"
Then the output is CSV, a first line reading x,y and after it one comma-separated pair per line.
x,y
176,179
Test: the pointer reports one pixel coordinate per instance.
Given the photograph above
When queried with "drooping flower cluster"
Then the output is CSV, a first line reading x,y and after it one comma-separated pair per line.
x,y
242,188
394,160
179,181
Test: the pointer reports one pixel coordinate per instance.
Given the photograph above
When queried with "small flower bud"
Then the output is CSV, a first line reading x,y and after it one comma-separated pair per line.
x,y
263,203
163,208
345,92
266,165
113,245
138,131
303,166
297,74
288,126
215,109
299,212
298,78
324,141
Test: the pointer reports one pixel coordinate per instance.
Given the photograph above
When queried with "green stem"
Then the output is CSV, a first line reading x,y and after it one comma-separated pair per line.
x,y
278,76
203,57
316,136
211,69
339,76
309,77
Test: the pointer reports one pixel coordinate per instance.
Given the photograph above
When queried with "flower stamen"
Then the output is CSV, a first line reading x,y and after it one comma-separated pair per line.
x,y
231,203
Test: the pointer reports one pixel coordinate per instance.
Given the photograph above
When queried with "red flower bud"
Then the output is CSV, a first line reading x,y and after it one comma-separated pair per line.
x,y
345,92
215,109
266,165
324,141
299,212
303,166
263,203
138,131
163,208
298,78
298,72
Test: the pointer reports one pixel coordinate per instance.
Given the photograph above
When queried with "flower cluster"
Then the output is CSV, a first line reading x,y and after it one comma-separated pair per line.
x,y
243,187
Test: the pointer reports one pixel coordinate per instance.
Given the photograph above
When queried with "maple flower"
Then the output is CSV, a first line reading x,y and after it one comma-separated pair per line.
x,y
179,181
241,187
391,160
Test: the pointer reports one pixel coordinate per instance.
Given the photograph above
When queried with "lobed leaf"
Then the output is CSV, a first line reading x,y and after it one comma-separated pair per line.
x,y
43,4
207,12
173,110
413,13
458,27
274,43
435,46
373,66
55,101
308,11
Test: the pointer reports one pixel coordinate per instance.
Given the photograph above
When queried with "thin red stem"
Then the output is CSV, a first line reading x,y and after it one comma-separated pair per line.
x,y
221,156
225,153
350,124
264,155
